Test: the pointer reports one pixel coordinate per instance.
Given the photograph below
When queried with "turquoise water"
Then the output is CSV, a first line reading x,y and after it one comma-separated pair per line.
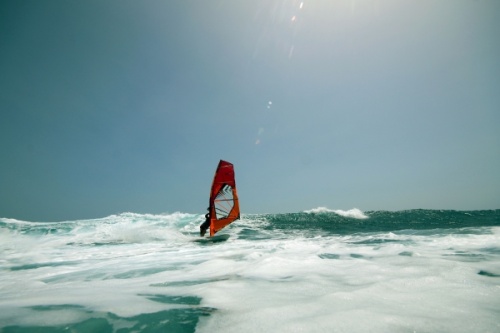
x,y
316,271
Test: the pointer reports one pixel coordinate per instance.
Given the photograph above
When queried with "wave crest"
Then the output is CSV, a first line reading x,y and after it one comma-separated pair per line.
x,y
353,213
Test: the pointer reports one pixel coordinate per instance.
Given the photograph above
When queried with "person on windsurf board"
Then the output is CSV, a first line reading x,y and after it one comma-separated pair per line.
x,y
205,225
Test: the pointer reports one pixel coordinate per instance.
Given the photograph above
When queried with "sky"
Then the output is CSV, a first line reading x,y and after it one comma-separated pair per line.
x,y
127,106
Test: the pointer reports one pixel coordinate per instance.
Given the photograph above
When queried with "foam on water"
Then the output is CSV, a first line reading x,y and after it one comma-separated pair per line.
x,y
129,271
354,213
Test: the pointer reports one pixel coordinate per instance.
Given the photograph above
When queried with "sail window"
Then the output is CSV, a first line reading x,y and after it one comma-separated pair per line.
x,y
224,202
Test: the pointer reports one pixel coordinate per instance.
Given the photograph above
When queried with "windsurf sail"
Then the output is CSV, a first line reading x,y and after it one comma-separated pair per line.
x,y
224,206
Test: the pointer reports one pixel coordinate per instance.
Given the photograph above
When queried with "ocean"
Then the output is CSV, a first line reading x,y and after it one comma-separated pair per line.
x,y
316,271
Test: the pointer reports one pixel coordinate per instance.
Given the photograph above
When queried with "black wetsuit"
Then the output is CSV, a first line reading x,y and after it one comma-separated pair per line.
x,y
205,225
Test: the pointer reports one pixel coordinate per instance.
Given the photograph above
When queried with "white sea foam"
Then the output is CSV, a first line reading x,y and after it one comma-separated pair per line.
x,y
349,283
354,213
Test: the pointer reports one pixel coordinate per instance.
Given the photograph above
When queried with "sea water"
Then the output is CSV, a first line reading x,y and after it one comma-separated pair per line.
x,y
316,271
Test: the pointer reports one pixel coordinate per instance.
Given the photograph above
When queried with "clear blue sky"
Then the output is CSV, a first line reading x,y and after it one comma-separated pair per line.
x,y
114,106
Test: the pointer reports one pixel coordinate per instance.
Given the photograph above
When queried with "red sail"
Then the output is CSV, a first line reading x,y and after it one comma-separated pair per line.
x,y
224,206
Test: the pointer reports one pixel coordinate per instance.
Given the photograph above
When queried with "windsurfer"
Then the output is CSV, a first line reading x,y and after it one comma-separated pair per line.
x,y
205,225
